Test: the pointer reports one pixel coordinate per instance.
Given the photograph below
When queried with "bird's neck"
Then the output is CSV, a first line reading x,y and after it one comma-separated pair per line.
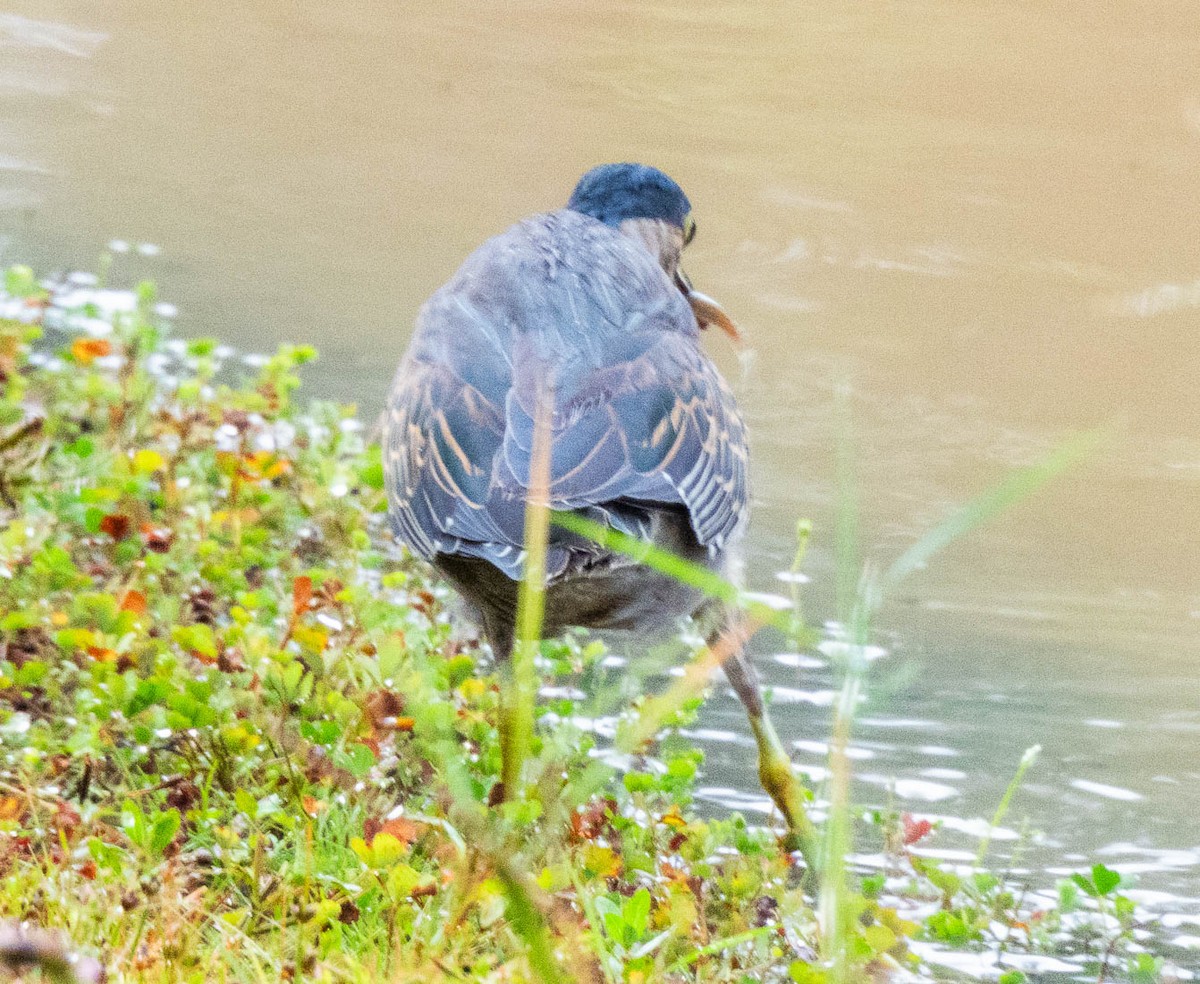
x,y
661,240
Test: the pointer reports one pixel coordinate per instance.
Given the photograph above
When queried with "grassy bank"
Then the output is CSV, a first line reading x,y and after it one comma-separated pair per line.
x,y
243,740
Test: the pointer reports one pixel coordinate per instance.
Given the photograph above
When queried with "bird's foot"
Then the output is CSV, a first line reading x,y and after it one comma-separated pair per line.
x,y
779,780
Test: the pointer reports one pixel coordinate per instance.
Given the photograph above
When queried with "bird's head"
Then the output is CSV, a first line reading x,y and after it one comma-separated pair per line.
x,y
649,207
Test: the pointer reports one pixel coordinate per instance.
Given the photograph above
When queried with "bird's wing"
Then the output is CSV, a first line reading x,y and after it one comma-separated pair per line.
x,y
440,437
653,424
560,304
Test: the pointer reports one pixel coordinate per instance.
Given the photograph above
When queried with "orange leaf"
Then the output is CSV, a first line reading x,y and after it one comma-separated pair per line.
x,y
281,466
102,654
405,724
115,525
404,830
12,807
134,601
86,349
302,591
313,806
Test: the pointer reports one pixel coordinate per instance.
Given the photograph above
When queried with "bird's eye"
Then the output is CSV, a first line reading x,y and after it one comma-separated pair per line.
x,y
689,229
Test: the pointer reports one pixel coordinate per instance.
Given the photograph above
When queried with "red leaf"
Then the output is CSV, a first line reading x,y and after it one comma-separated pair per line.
x,y
157,538
115,525
914,830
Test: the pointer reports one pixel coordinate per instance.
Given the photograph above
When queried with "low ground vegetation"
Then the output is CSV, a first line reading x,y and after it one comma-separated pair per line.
x,y
242,739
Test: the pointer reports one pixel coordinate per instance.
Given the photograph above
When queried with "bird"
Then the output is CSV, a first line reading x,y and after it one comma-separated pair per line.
x,y
580,321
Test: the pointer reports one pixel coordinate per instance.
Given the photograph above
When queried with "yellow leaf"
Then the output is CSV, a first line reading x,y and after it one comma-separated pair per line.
x,y
402,879
386,850
879,938
146,462
472,688
325,912
314,640
601,861
672,819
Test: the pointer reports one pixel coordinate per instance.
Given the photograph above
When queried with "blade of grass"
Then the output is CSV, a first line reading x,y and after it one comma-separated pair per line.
x,y
696,676
683,571
835,910
1027,760
517,719
996,500
529,913
716,946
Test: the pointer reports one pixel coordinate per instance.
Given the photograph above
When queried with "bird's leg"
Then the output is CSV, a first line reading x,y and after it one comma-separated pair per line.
x,y
774,765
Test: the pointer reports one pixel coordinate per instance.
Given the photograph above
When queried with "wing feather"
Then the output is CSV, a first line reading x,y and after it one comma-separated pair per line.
x,y
565,313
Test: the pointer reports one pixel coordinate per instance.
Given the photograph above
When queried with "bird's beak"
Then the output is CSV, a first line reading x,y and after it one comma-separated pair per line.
x,y
707,311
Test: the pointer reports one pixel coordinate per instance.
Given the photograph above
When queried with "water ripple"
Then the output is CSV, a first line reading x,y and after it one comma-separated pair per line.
x,y
27,33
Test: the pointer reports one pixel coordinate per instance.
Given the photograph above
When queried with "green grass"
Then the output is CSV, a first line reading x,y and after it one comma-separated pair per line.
x,y
242,740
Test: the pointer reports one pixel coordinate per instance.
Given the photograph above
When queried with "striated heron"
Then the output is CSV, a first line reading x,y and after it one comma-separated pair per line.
x,y
584,316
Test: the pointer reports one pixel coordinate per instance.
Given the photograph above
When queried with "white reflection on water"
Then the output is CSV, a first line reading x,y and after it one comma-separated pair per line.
x,y
921,790
1106,791
59,38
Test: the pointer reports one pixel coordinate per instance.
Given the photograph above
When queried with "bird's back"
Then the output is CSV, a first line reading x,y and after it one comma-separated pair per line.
x,y
566,313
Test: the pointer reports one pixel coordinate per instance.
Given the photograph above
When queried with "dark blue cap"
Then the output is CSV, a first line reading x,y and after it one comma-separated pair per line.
x,y
613,193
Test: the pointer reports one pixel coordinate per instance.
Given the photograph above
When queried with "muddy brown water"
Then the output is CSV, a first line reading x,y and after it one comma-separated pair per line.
x,y
980,217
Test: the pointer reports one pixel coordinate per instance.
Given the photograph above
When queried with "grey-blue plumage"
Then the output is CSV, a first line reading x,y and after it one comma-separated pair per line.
x,y
580,321
561,308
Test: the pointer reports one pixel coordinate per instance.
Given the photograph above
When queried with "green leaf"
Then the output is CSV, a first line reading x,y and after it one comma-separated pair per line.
x,y
386,850
370,473
805,973
246,803
1145,968
356,759
321,732
1105,879
879,938
20,619
636,913
19,281
81,448
202,346
1068,895
166,824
